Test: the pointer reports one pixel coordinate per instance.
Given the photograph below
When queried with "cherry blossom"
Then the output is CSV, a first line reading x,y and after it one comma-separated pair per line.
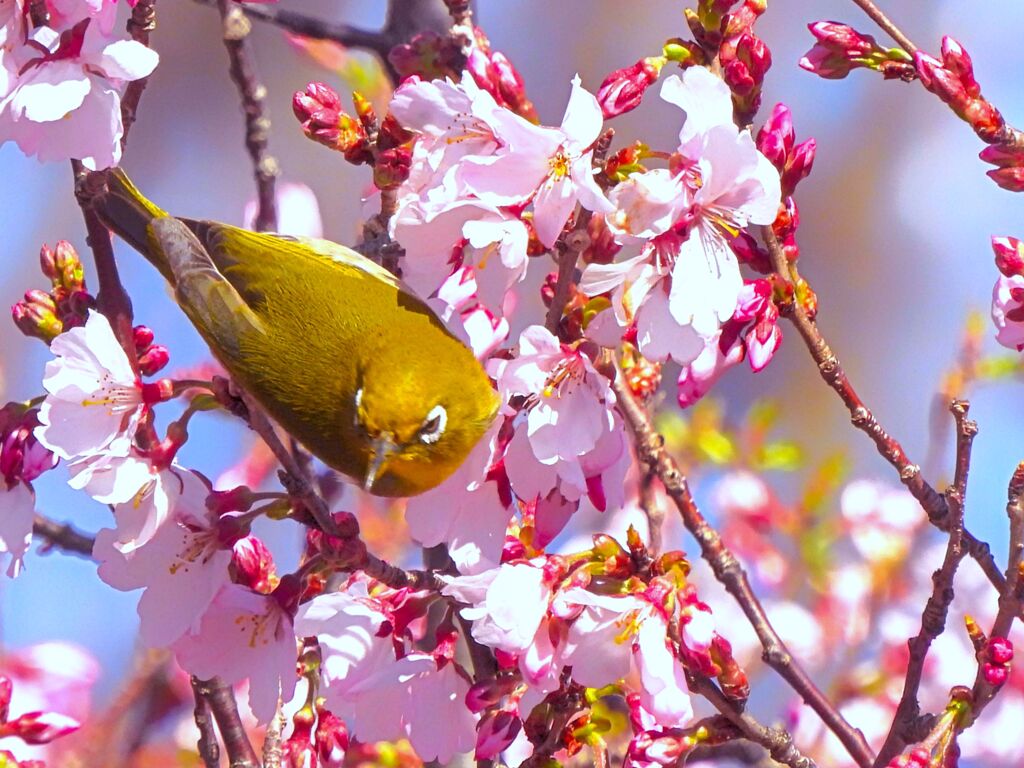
x,y
569,435
881,519
62,95
17,509
181,567
466,512
1007,315
550,166
382,697
243,635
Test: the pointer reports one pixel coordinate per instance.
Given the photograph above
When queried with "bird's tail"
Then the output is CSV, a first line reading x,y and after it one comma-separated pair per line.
x,y
124,210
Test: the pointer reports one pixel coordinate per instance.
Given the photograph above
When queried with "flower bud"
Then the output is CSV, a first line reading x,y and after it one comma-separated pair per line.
x,y
952,80
511,86
624,88
142,337
154,360
995,674
254,564
318,109
392,167
1009,255
238,499
36,316
63,266
495,732
39,727
1000,650
330,739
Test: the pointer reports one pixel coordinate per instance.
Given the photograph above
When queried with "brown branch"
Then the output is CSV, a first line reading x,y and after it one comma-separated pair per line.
x,y
221,700
404,19
62,536
906,723
727,569
140,24
236,28
111,298
932,502
1011,599
885,24
777,741
209,749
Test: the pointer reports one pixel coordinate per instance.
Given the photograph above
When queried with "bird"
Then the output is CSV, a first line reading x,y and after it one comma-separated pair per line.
x,y
334,347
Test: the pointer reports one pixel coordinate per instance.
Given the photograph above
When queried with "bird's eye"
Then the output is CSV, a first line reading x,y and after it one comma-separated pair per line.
x,y
433,425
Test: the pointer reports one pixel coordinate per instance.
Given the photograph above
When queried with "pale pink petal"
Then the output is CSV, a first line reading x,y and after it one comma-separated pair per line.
x,y
17,507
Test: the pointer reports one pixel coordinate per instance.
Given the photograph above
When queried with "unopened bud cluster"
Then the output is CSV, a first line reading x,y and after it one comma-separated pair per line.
x,y
952,80
46,314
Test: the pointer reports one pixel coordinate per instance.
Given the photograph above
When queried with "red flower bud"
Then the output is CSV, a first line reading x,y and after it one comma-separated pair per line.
x,y
318,109
494,732
153,359
995,674
6,689
254,564
1000,650
624,89
331,739
142,337
392,167
39,727
1009,255
36,316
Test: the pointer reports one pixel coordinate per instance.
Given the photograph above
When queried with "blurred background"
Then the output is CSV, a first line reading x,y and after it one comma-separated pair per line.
x,y
895,226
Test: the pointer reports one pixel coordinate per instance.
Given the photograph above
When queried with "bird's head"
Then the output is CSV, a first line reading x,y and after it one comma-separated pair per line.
x,y
418,426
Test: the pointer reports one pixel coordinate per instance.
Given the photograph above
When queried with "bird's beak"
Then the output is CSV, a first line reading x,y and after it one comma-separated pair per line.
x,y
381,449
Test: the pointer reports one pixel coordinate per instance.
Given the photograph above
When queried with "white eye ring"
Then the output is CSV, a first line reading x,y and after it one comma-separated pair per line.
x,y
358,402
439,415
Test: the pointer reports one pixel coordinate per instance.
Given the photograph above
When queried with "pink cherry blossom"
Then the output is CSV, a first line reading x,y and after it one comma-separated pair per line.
x,y
550,166
62,98
243,635
1007,312
382,697
570,435
465,512
181,567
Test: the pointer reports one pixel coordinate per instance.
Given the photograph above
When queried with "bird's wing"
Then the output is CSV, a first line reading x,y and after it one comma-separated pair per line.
x,y
202,290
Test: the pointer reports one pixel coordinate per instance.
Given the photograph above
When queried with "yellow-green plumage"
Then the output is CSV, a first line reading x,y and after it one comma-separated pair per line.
x,y
304,325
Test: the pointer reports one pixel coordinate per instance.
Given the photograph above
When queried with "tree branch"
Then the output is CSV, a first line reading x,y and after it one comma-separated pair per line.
x,y
932,502
221,700
62,536
140,24
209,749
236,28
651,452
885,24
905,724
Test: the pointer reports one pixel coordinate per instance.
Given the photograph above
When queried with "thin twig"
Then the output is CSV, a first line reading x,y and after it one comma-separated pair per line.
x,y
221,700
883,21
1011,598
932,502
654,458
236,28
209,749
62,536
777,741
140,24
906,724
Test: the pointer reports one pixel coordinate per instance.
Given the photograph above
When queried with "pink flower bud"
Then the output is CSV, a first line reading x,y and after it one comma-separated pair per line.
x,y
36,316
1009,255
40,727
392,167
749,252
142,337
776,137
995,674
624,89
799,167
154,360
239,499
764,338
957,61
318,109
1011,179
842,38
330,739
254,564
494,733
63,266
1000,650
